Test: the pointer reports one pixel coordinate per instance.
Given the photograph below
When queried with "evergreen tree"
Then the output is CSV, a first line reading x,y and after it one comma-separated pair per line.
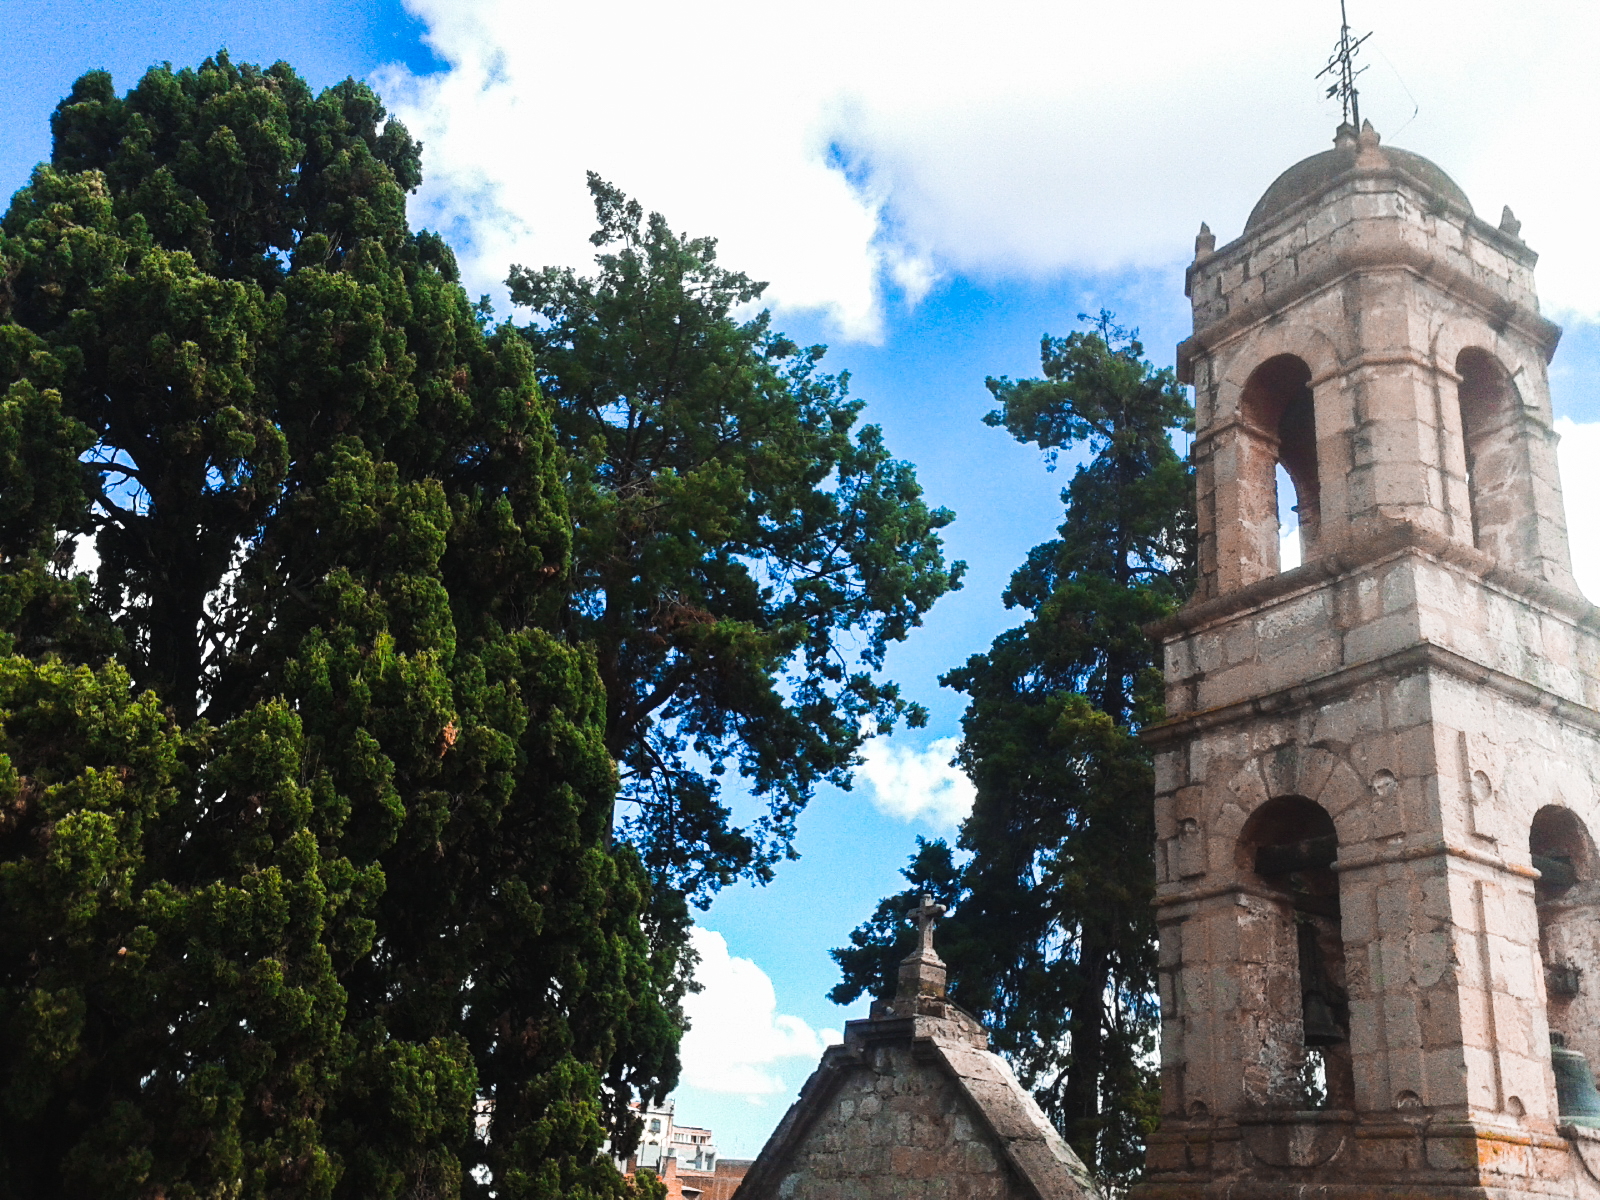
x,y
742,560
1052,939
304,800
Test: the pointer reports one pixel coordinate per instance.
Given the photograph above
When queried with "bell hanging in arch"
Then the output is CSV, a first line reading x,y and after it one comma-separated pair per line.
x,y
1577,1101
1321,1029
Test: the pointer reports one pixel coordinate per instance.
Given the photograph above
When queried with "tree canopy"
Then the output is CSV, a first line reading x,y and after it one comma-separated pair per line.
x,y
305,796
1051,939
743,559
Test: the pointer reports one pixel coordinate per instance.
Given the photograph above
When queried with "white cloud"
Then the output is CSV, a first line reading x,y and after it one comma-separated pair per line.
x,y
1577,455
736,1033
838,145
910,783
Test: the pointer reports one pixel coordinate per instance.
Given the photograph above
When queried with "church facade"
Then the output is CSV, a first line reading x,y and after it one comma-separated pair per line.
x,y
1377,783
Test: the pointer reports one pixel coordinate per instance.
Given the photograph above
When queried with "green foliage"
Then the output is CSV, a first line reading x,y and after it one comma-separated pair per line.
x,y
742,560
1052,940
304,801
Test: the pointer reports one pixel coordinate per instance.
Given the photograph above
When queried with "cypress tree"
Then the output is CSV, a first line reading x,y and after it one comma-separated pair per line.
x,y
306,802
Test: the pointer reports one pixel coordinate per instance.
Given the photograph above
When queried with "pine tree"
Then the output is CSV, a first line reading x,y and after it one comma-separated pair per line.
x,y
1052,938
304,799
743,558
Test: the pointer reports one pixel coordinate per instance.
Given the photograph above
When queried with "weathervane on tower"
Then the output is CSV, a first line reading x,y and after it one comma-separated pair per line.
x,y
1342,67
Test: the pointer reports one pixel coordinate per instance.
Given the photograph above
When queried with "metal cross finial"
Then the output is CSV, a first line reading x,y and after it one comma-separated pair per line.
x,y
1341,65
925,915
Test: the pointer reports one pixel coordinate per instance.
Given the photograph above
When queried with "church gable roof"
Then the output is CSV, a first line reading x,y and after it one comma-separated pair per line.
x,y
915,1094
1031,1144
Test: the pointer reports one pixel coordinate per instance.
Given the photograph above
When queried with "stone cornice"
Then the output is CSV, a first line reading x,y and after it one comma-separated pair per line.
x,y
1394,539
1363,258
1437,848
1423,657
1382,244
1513,247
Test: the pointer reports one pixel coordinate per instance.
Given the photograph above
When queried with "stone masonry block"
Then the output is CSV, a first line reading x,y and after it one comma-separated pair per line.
x,y
1171,770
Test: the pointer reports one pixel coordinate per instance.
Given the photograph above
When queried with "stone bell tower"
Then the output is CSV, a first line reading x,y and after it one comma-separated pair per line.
x,y
1376,787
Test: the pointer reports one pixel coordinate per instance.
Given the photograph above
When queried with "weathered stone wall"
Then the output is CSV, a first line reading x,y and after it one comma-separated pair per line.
x,y
898,1129
1432,714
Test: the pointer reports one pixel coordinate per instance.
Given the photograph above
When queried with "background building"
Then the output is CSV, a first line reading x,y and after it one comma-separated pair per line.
x,y
684,1157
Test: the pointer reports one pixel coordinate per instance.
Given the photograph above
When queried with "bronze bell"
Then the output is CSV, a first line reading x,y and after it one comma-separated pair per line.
x,y
1321,1029
1577,1101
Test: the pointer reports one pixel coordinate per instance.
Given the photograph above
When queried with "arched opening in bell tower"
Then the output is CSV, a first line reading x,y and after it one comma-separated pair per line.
x,y
1565,898
1289,845
1281,495
1496,468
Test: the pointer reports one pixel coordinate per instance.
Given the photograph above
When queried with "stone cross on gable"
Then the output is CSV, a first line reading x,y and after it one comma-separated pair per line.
x,y
922,973
925,914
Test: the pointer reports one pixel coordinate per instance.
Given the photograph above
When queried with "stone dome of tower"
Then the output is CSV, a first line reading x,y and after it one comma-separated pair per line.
x,y
1310,176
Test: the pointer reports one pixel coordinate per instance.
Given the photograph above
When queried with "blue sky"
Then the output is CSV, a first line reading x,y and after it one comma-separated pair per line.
x,y
928,194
